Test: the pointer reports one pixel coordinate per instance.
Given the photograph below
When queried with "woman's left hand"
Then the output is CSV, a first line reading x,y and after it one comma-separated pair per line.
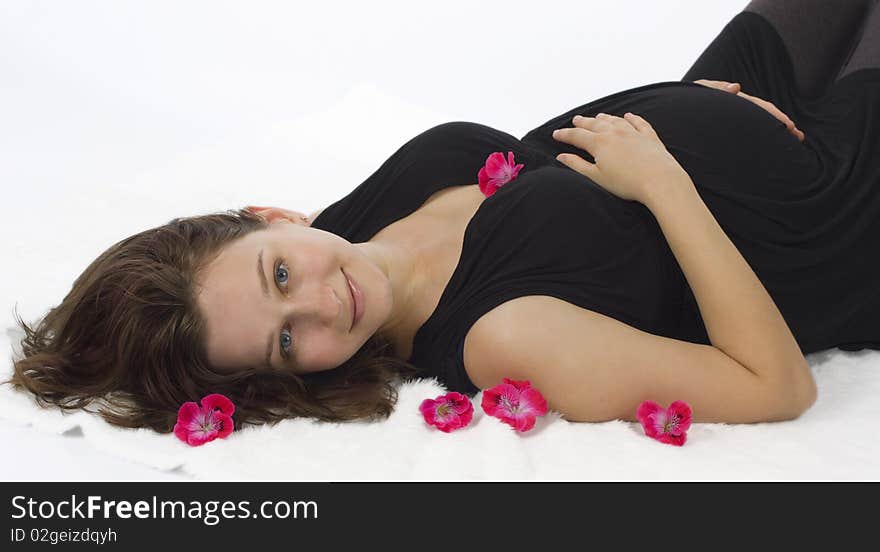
x,y
734,88
630,158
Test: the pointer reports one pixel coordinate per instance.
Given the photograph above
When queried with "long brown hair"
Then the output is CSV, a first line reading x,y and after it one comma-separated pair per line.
x,y
129,337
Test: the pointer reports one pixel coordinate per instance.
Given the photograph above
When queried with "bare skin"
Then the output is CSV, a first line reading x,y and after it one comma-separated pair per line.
x,y
402,270
306,314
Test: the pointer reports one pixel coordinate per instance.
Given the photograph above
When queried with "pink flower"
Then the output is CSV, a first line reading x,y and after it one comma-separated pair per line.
x,y
197,425
448,412
497,172
516,403
667,425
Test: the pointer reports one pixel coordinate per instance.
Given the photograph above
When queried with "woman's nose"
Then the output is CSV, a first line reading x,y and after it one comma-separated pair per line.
x,y
322,303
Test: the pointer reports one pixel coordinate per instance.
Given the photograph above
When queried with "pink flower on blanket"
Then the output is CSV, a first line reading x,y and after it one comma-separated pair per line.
x,y
667,425
497,172
448,412
198,425
516,403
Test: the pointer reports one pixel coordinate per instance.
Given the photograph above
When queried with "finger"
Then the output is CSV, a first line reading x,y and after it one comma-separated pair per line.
x,y
588,123
579,137
579,164
607,118
711,83
726,86
770,107
639,122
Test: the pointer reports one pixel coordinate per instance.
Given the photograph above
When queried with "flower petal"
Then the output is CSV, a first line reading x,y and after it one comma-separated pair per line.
x,y
646,409
199,438
667,425
483,177
495,163
533,402
647,414
682,410
428,409
181,431
491,400
677,440
187,412
216,401
497,172
447,412
519,384
460,403
226,425
524,423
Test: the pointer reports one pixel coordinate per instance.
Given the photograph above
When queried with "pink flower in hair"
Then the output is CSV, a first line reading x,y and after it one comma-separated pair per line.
x,y
516,403
667,425
448,412
197,425
497,172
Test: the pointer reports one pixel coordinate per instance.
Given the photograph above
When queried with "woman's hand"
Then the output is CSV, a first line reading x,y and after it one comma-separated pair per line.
x,y
277,213
734,88
629,155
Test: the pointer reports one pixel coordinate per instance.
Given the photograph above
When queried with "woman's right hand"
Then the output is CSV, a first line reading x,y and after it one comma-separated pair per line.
x,y
734,88
630,157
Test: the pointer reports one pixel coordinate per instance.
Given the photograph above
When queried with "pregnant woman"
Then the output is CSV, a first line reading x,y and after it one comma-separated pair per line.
x,y
679,241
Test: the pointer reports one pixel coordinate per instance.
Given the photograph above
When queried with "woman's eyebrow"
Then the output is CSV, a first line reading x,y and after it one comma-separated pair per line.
x,y
262,274
265,285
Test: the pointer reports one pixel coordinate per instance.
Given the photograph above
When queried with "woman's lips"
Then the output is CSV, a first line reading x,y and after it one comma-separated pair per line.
x,y
357,300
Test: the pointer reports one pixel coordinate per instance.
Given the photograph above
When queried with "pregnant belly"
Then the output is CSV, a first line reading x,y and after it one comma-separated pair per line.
x,y
718,137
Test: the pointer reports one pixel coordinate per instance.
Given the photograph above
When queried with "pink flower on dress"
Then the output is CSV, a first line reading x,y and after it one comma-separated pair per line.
x,y
198,425
516,403
497,172
667,425
448,412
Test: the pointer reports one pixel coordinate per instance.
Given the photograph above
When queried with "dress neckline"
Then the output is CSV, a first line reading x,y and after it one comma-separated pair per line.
x,y
425,328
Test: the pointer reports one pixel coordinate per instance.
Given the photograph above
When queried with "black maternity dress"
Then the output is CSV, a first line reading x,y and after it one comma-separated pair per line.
x,y
805,215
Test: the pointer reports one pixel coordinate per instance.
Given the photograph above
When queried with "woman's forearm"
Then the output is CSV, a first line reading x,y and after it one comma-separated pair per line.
x,y
740,316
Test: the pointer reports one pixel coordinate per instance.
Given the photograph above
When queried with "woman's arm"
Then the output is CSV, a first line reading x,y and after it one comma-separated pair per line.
x,y
740,316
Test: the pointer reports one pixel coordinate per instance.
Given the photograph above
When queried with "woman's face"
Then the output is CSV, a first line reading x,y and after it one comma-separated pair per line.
x,y
281,291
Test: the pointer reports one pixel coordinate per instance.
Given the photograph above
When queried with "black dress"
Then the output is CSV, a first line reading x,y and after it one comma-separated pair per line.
x,y
805,215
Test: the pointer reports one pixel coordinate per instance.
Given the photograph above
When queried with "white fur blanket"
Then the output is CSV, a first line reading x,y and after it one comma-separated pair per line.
x,y
835,440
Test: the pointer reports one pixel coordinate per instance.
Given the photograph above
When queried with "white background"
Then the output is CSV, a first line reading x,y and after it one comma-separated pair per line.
x,y
118,116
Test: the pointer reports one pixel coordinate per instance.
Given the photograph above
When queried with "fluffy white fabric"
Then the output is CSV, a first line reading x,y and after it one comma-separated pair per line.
x,y
834,440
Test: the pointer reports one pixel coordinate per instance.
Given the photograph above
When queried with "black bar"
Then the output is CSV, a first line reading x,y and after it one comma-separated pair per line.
x,y
230,515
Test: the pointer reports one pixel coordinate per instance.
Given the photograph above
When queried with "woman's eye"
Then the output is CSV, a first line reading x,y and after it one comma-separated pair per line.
x,y
281,274
286,340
